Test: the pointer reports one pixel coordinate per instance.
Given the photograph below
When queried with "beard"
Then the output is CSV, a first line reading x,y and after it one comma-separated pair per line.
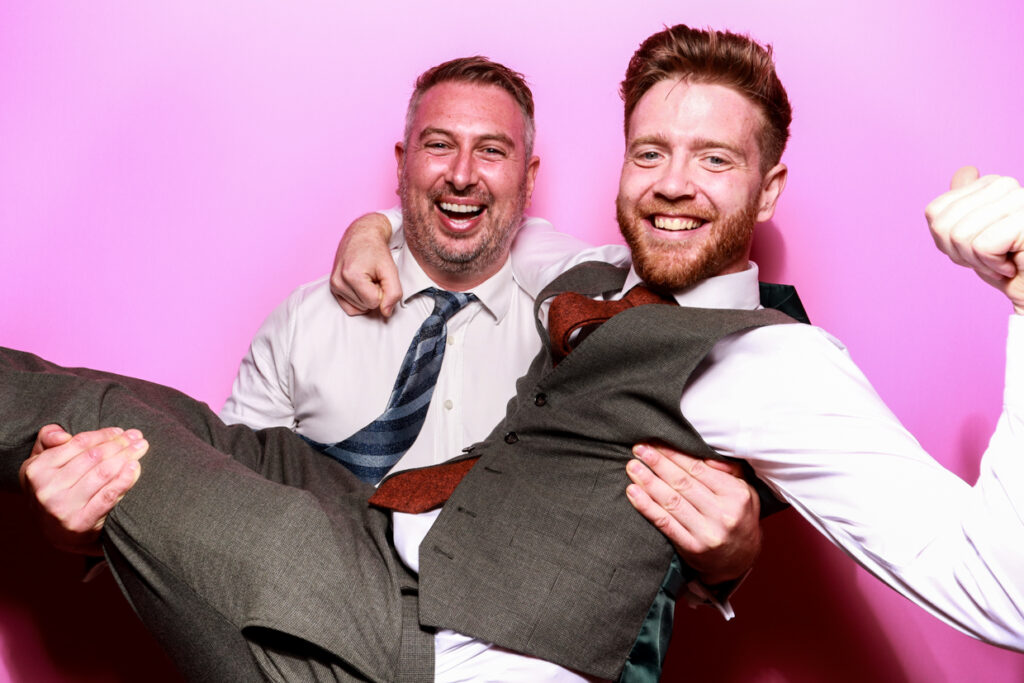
x,y
460,254
676,265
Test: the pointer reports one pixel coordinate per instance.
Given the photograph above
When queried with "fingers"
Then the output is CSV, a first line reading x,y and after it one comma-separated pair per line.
x,y
55,457
979,234
77,470
677,534
356,294
980,225
680,488
76,484
663,506
390,289
706,510
364,276
943,201
680,470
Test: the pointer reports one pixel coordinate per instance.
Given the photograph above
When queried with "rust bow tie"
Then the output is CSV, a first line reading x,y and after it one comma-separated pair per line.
x,y
570,312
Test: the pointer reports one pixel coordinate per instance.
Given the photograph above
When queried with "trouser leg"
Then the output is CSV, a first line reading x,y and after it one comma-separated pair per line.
x,y
232,532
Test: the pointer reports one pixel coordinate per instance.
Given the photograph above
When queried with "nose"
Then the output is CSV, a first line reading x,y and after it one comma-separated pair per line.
x,y
462,172
676,181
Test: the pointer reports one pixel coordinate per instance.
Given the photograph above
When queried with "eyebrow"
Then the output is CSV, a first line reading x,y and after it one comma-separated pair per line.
x,y
710,143
696,143
496,137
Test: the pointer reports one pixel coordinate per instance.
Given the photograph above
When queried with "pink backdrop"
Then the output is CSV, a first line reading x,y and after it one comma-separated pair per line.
x,y
170,171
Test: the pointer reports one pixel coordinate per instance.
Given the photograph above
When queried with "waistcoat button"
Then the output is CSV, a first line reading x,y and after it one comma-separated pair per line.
x,y
540,400
511,437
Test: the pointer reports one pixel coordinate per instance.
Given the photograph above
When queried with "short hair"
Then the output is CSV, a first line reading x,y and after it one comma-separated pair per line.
x,y
476,70
718,57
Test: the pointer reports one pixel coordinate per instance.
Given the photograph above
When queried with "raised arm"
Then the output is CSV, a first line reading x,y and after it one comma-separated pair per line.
x,y
540,254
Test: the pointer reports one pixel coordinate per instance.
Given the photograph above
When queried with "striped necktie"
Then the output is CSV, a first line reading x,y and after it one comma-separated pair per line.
x,y
375,448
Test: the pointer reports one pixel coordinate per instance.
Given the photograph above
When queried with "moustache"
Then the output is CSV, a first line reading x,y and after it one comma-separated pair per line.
x,y
474,194
683,208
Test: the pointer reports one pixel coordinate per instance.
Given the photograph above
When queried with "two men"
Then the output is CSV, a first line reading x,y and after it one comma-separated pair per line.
x,y
334,373
783,395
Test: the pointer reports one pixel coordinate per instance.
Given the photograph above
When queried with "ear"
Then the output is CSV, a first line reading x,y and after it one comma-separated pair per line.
x,y
531,177
772,185
399,159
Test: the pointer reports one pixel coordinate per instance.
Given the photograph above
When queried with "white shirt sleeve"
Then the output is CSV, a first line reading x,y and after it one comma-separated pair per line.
x,y
261,395
540,254
796,407
394,216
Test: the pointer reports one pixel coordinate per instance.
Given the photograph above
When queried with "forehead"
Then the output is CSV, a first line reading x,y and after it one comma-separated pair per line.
x,y
678,111
469,109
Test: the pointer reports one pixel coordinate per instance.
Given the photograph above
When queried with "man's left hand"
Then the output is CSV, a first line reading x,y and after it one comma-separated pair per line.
x,y
704,507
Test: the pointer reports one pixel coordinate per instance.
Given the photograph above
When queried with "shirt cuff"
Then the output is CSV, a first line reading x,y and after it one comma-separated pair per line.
x,y
394,216
697,593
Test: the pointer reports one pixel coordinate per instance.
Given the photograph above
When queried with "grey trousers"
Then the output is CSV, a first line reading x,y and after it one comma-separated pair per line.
x,y
248,554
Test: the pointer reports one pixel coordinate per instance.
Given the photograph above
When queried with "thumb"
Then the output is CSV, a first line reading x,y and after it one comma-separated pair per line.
x,y
964,176
50,436
390,287
729,467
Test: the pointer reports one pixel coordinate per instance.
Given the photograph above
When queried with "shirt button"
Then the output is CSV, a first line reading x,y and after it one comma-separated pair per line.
x,y
511,437
448,404
540,400
450,340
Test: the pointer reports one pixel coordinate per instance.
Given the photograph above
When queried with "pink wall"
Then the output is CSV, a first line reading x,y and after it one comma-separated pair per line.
x,y
169,171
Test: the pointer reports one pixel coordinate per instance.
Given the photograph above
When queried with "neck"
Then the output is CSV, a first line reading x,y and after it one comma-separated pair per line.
x,y
459,282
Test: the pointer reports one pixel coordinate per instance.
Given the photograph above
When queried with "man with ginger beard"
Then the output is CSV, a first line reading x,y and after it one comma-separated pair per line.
x,y
706,123
810,424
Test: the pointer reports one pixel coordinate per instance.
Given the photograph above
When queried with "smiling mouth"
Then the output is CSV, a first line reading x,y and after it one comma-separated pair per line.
x,y
676,224
460,212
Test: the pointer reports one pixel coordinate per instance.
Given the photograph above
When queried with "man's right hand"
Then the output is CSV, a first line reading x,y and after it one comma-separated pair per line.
x,y
364,276
979,224
704,507
76,481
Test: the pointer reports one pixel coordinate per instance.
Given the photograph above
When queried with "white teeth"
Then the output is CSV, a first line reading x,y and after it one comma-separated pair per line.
x,y
663,223
461,208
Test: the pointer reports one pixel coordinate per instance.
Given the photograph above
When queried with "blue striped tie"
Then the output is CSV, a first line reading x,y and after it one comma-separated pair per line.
x,y
375,448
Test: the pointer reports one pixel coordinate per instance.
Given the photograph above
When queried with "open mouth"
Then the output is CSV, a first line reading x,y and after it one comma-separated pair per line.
x,y
676,224
460,211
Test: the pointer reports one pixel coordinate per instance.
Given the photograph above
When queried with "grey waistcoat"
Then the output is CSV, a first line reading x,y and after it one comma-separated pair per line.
x,y
538,550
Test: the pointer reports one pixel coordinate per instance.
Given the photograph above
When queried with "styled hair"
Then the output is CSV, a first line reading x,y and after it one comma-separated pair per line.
x,y
716,57
476,70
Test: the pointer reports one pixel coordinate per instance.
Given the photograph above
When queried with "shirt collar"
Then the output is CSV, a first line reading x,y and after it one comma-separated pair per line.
x,y
734,290
495,293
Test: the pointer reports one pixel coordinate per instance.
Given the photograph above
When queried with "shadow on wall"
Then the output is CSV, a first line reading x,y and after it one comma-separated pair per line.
x,y
794,622
56,629
769,253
